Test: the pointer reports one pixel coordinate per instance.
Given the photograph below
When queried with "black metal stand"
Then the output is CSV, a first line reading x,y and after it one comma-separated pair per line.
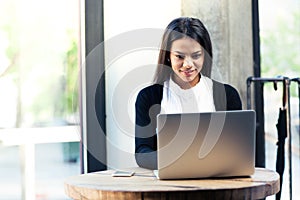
x,y
283,126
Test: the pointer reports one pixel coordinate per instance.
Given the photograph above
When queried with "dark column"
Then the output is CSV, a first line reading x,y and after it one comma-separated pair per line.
x,y
259,101
93,151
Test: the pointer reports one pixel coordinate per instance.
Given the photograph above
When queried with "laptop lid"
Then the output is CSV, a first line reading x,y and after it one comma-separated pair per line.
x,y
198,145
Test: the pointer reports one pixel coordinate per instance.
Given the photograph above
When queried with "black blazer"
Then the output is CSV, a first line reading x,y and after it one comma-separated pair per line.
x,y
147,107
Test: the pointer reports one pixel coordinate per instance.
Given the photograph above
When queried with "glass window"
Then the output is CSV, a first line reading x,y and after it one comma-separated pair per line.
x,y
38,91
280,47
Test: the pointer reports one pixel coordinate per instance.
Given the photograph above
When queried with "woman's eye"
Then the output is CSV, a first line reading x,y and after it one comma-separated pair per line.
x,y
180,56
196,56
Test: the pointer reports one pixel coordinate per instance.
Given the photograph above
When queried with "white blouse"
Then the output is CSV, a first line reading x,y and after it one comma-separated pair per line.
x,y
196,99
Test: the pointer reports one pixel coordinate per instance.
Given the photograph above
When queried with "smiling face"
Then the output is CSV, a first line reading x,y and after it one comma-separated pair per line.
x,y
187,59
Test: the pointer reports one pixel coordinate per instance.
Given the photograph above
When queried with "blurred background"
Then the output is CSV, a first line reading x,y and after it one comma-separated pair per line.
x,y
40,51
39,113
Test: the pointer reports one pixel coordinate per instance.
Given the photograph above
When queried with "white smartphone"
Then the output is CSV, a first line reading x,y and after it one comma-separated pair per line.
x,y
122,173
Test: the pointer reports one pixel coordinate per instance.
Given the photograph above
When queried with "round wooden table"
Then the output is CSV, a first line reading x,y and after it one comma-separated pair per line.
x,y
144,185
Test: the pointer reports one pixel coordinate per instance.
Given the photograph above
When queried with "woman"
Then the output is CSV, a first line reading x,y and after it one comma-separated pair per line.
x,y
182,84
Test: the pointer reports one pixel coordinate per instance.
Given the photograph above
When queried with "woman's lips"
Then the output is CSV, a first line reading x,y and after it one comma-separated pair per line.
x,y
188,72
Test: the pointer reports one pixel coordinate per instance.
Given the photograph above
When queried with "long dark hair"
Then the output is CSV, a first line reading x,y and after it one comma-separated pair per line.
x,y
177,29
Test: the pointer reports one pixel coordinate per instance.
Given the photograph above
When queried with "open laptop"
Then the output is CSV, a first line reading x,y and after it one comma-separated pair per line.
x,y
199,145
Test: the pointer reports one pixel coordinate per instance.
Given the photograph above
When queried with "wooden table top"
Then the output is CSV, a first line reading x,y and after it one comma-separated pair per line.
x,y
144,185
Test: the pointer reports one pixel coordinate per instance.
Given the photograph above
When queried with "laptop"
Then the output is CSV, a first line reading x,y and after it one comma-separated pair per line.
x,y
201,145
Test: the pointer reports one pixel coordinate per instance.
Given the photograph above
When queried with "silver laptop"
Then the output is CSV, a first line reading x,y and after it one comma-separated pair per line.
x,y
199,145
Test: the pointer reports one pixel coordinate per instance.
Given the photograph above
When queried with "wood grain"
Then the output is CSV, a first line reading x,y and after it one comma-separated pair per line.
x,y
144,185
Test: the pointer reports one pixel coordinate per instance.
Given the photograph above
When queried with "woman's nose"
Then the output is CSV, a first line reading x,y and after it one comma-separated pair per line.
x,y
187,63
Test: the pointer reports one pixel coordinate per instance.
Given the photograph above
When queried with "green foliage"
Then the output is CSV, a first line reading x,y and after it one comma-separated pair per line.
x,y
67,85
72,69
280,48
